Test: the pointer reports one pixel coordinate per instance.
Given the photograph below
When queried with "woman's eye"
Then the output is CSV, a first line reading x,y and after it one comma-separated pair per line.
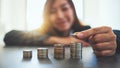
x,y
52,11
64,9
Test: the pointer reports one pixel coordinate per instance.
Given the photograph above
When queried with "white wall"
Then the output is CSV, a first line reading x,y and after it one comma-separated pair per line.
x,y
91,12
79,8
34,13
110,13
102,12
0,10
12,15
1,27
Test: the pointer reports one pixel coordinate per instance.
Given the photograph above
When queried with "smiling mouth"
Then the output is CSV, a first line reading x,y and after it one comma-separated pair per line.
x,y
62,23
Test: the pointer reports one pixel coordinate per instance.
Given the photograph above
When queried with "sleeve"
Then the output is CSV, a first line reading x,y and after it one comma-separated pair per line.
x,y
117,32
15,37
82,28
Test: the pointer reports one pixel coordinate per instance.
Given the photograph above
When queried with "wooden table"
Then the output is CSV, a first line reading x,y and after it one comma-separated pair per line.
x,y
12,57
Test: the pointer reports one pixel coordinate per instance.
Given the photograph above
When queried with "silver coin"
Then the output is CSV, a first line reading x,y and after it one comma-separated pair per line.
x,y
59,51
76,50
42,56
27,54
76,45
58,45
42,49
42,53
59,57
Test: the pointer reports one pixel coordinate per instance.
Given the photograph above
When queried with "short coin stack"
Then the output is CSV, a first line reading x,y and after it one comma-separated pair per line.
x,y
42,53
59,51
76,50
27,54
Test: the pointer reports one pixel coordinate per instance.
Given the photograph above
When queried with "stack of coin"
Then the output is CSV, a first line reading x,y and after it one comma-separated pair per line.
x,y
76,50
42,53
59,51
27,54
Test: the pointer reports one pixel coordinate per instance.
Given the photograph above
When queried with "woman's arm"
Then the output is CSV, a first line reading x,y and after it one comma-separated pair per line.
x,y
16,37
34,38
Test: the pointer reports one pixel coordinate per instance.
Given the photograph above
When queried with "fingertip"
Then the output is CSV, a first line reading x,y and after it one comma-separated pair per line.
x,y
80,35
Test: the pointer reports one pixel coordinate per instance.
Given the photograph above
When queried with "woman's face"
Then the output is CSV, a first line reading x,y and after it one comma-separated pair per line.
x,y
61,15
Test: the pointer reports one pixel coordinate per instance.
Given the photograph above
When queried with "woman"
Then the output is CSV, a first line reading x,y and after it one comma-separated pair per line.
x,y
60,21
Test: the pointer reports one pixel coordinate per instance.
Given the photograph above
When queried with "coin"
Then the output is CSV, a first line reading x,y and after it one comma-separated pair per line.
x,y
76,50
42,52
27,54
59,51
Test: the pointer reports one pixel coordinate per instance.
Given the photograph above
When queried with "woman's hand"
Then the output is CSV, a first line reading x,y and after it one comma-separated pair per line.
x,y
64,40
102,39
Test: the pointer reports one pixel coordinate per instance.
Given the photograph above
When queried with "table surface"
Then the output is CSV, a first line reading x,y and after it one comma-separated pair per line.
x,y
12,57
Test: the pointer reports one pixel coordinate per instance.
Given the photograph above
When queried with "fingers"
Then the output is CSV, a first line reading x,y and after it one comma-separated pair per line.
x,y
90,32
99,38
105,52
105,46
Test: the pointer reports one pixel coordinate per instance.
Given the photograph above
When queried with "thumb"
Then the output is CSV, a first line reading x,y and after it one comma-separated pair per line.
x,y
85,34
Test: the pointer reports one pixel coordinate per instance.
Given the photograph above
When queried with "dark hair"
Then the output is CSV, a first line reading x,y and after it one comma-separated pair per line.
x,y
47,27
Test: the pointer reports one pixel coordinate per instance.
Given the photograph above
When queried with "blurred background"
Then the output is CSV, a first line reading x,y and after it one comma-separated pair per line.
x,y
27,14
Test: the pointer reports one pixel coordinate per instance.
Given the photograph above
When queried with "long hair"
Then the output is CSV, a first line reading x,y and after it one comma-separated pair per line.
x,y
47,27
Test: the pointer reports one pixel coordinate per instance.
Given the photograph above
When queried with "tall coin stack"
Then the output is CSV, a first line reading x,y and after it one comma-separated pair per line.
x,y
76,50
42,53
59,51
